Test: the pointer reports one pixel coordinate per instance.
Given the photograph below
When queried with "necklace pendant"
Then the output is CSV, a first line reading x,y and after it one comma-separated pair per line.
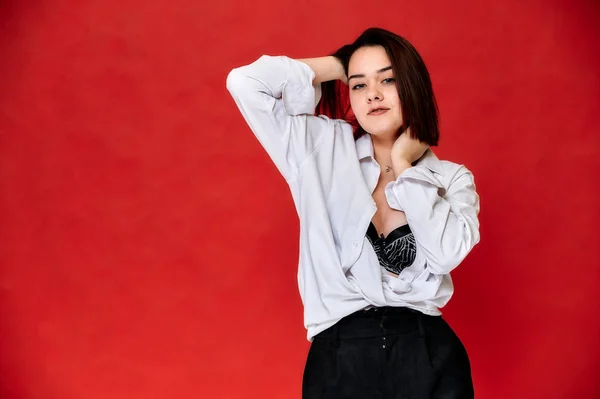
x,y
387,169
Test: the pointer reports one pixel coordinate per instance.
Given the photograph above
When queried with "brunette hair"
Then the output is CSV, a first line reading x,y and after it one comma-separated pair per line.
x,y
419,107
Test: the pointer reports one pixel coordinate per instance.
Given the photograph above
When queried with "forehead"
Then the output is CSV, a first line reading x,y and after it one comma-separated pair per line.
x,y
367,60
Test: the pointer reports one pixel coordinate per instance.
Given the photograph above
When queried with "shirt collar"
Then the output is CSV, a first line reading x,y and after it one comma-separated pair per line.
x,y
364,149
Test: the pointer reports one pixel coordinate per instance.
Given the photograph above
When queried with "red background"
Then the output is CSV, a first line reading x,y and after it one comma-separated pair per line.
x,y
149,247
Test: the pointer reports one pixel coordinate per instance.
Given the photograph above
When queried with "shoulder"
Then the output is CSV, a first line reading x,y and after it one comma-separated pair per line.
x,y
449,171
456,176
453,168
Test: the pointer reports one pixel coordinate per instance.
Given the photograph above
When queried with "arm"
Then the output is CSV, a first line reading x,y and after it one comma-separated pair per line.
x,y
325,68
277,97
446,226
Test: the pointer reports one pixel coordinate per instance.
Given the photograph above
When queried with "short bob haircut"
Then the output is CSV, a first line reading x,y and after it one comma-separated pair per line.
x,y
419,107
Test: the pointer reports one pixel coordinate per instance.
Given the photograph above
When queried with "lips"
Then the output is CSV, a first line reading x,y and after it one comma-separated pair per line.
x,y
378,111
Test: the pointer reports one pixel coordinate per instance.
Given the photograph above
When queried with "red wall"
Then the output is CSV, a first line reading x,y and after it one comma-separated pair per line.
x,y
148,247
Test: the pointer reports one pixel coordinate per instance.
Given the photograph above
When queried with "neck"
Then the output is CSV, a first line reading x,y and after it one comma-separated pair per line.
x,y
382,149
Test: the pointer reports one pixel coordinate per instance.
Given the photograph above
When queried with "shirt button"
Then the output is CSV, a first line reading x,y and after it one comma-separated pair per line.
x,y
355,244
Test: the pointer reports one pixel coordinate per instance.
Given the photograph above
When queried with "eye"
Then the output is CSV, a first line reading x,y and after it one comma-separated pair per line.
x,y
358,86
389,80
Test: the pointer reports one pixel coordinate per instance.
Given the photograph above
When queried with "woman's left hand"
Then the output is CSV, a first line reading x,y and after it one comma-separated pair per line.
x,y
407,150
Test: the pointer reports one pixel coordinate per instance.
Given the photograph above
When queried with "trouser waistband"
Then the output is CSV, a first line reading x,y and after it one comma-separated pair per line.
x,y
376,322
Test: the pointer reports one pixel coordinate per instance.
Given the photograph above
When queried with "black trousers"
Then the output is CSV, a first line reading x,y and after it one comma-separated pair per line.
x,y
387,353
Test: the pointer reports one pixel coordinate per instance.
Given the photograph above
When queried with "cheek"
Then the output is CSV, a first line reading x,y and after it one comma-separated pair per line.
x,y
357,107
392,96
395,103
353,102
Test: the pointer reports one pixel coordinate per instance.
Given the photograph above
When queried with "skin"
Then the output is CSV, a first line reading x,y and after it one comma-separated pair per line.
x,y
372,85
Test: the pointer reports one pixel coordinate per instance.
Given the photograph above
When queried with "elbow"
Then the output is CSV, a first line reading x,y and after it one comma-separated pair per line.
x,y
234,81
243,86
246,78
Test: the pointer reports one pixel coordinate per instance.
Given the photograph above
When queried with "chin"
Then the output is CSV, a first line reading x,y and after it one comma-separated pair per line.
x,y
381,127
382,131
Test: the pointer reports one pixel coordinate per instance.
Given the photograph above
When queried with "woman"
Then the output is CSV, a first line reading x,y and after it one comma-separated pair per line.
x,y
382,220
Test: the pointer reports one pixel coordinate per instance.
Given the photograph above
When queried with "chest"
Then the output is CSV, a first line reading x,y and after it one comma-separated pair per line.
x,y
385,218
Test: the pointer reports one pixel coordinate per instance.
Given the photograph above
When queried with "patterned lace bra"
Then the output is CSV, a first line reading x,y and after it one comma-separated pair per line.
x,y
397,251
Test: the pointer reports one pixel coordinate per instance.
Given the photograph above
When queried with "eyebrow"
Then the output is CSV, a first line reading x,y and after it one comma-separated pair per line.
x,y
362,75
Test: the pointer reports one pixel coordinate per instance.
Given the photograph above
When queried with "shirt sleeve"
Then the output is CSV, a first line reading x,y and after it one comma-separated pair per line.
x,y
444,222
277,99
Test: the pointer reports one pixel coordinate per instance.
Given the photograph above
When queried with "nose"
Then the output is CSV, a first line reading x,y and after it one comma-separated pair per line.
x,y
373,94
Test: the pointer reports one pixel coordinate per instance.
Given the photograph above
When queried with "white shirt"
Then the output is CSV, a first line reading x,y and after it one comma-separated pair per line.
x,y
332,177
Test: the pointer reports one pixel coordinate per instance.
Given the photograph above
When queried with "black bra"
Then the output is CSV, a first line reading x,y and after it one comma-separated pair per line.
x,y
397,251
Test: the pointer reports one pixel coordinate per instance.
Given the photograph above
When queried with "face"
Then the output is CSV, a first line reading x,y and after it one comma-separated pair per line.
x,y
373,95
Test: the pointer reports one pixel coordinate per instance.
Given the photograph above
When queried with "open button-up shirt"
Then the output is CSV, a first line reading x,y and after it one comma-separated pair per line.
x,y
332,177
